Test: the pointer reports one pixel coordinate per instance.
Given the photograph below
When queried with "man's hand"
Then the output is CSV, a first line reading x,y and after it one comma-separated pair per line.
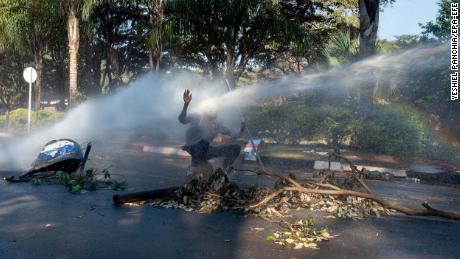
x,y
187,96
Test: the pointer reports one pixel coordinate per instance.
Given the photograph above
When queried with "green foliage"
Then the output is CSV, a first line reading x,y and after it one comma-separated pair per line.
x,y
393,130
63,177
106,174
46,117
78,183
293,123
29,25
385,46
440,28
18,118
12,90
36,181
90,178
407,40
342,47
385,131
230,34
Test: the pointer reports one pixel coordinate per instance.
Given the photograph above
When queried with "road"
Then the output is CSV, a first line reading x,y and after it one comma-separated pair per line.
x,y
46,221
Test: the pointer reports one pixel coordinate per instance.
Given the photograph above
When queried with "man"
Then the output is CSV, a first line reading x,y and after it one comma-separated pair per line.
x,y
203,129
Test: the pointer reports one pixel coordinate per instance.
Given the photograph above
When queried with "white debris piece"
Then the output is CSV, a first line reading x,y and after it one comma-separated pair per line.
x,y
323,165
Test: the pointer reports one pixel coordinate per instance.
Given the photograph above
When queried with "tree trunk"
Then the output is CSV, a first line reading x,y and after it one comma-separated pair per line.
x,y
230,67
151,62
74,42
38,60
156,21
369,23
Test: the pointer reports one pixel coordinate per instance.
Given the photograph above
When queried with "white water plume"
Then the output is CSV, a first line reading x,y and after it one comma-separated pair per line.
x,y
154,102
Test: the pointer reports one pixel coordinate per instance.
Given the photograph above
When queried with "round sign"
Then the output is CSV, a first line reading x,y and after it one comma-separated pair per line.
x,y
30,75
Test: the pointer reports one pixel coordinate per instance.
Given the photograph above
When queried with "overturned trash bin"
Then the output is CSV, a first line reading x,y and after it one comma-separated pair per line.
x,y
57,155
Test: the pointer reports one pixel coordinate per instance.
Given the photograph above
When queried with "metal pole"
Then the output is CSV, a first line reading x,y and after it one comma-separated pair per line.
x,y
30,103
259,161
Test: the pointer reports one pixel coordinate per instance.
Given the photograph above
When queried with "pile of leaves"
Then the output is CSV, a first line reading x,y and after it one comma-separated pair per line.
x,y
345,196
218,193
210,195
302,234
340,207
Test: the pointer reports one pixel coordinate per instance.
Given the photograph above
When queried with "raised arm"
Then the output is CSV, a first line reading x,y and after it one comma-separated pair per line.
x,y
183,115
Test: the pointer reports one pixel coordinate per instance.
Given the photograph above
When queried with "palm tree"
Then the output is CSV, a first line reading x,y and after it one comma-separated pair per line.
x,y
75,9
156,39
343,47
73,34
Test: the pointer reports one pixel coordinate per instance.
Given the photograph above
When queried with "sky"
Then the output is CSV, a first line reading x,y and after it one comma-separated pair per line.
x,y
403,17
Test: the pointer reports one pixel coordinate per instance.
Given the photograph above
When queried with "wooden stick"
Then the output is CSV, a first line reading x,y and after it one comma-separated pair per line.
x,y
385,203
287,178
429,211
363,183
266,198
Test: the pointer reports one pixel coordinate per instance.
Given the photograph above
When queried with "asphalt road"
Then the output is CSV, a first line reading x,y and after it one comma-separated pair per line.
x,y
46,221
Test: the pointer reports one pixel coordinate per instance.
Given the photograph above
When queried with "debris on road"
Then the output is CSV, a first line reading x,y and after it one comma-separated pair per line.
x,y
301,234
345,196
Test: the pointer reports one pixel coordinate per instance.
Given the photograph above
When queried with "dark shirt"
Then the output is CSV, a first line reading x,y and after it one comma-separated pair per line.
x,y
202,127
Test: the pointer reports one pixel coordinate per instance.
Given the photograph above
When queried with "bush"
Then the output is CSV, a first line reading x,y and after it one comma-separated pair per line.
x,y
293,123
45,117
384,131
393,130
18,118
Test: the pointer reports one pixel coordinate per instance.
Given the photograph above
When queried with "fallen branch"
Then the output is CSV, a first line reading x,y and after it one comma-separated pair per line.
x,y
267,198
429,211
354,171
363,183
287,178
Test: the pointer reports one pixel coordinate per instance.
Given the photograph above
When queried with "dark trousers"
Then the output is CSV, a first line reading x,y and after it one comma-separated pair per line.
x,y
202,151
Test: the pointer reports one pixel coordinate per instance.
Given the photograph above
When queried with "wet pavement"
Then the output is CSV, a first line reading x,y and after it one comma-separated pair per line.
x,y
47,221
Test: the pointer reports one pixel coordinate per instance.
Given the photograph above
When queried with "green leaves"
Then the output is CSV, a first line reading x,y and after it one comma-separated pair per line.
x,y
78,183
302,234
106,174
76,188
229,34
36,181
63,177
342,47
440,28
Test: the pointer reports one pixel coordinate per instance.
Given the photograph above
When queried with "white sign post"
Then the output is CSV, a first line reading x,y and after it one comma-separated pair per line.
x,y
30,75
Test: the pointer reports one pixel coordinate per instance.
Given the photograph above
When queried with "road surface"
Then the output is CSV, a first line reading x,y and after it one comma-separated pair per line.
x,y
47,221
